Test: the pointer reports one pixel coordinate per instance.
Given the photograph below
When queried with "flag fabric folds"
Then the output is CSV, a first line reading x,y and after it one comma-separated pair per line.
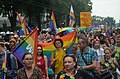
x,y
49,47
72,17
53,24
29,44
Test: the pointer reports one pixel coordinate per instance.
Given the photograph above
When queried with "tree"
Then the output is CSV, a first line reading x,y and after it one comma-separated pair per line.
x,y
33,9
29,8
62,8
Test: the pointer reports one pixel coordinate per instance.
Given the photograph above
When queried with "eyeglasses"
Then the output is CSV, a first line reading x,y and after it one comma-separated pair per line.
x,y
57,42
28,59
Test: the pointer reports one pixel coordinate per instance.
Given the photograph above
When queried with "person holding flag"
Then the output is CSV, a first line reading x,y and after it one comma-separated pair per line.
x,y
8,64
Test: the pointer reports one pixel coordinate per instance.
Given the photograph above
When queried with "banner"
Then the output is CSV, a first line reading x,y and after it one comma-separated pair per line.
x,y
85,19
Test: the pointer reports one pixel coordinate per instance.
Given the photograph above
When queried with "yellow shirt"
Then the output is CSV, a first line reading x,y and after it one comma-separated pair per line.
x,y
59,60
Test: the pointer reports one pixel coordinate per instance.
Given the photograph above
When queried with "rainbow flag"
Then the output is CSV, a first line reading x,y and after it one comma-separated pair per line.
x,y
72,17
107,31
53,24
24,28
3,67
29,44
49,47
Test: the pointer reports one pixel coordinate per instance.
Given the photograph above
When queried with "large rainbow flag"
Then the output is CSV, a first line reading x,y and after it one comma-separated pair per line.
x,y
53,24
29,44
72,17
49,47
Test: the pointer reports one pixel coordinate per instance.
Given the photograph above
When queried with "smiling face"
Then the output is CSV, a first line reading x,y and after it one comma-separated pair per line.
x,y
69,63
28,60
96,44
39,50
107,52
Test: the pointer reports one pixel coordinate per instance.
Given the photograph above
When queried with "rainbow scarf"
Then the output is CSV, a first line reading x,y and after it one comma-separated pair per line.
x,y
64,74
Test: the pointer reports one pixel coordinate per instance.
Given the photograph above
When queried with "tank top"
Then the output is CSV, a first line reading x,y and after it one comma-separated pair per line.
x,y
41,64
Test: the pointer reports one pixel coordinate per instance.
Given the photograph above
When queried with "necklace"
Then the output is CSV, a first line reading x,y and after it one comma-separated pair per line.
x,y
64,74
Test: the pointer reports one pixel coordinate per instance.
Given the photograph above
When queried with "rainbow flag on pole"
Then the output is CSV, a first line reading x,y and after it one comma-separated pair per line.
x,y
23,23
72,17
53,24
29,44
3,67
106,30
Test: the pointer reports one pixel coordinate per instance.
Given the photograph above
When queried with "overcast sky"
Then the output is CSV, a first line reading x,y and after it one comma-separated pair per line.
x,y
106,8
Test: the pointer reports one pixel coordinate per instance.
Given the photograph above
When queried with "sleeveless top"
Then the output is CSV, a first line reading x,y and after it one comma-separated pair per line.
x,y
41,64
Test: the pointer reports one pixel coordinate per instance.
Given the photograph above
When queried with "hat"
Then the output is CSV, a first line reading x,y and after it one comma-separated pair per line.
x,y
12,40
1,43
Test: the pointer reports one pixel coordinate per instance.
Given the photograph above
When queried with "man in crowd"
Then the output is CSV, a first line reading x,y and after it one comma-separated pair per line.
x,y
86,56
11,64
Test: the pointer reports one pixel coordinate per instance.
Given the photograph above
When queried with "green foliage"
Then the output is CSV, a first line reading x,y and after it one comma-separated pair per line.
x,y
33,9
62,9
100,20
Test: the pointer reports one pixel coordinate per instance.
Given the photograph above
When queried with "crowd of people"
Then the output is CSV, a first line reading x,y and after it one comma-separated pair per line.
x,y
95,55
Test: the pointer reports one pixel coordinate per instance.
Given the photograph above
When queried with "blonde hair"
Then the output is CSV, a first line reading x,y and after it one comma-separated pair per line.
x,y
107,48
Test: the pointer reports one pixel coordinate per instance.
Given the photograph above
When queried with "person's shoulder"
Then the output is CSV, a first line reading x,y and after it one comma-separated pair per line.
x,y
91,50
102,61
20,70
59,74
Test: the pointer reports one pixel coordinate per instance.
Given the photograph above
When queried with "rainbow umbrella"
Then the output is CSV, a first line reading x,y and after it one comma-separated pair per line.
x,y
65,31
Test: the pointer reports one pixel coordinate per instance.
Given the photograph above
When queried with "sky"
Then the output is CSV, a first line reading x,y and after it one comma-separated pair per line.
x,y
106,8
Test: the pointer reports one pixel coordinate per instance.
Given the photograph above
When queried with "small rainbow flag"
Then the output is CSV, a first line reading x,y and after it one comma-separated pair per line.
x,y
53,24
29,44
107,31
72,17
24,28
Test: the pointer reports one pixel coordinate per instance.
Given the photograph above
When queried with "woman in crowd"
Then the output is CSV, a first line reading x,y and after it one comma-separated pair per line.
x,y
29,71
41,62
98,48
108,64
112,45
71,71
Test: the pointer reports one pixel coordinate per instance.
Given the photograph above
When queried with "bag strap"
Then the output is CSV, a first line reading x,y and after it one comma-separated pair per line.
x,y
84,59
